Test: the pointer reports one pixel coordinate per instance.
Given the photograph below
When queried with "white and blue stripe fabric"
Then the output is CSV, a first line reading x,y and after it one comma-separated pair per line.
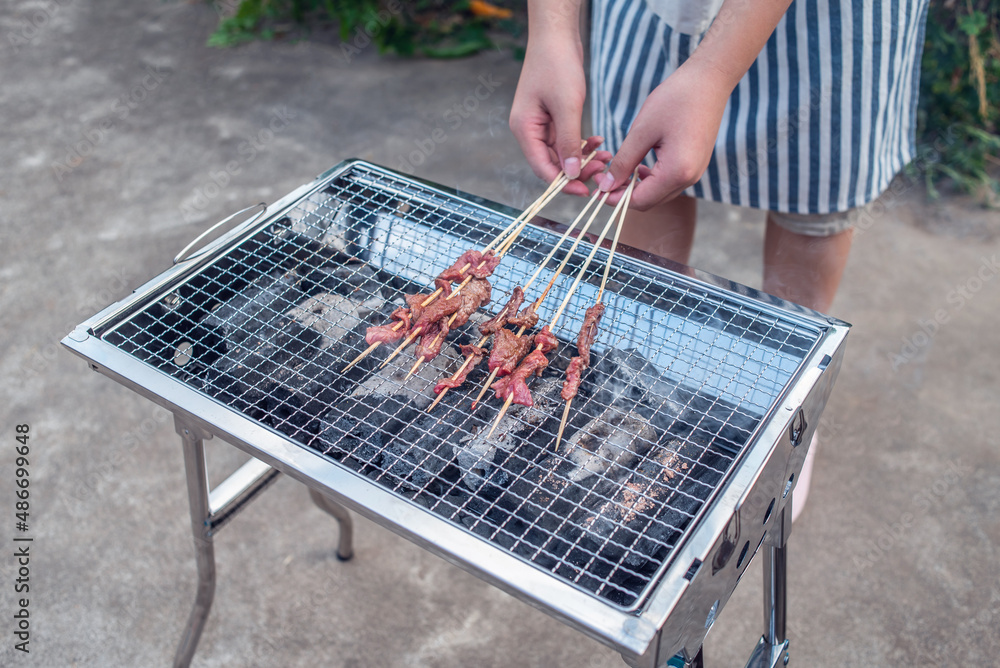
x,y
821,122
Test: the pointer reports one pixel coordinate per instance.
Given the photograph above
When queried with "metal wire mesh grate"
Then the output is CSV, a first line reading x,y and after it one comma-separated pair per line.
x,y
682,376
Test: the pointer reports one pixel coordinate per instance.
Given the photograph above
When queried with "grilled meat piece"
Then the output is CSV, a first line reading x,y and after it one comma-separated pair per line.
x,y
435,311
574,374
515,384
468,264
389,333
414,305
431,339
588,331
546,341
473,259
496,323
475,354
474,295
527,318
508,351
577,365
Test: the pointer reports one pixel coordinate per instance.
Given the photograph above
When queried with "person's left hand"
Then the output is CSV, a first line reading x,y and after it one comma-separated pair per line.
x,y
679,121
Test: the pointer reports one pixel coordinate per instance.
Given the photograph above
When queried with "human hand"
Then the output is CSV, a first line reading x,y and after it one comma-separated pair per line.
x,y
547,111
680,121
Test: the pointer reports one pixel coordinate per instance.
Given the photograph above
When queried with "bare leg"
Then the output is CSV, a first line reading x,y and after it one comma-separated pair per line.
x,y
805,270
666,230
802,269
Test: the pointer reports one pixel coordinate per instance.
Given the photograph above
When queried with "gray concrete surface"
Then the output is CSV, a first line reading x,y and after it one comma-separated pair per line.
x,y
116,121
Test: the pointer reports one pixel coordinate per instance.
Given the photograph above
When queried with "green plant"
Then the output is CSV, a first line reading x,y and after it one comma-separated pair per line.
x,y
433,28
959,113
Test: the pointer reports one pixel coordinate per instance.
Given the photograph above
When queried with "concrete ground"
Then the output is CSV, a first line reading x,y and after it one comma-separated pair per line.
x,y
117,121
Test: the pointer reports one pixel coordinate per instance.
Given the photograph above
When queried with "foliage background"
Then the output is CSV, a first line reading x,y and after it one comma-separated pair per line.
x,y
958,118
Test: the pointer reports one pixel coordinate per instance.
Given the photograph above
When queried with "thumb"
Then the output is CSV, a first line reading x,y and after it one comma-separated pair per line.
x,y
628,157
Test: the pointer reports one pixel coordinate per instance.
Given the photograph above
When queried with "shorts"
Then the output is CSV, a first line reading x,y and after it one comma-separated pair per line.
x,y
814,225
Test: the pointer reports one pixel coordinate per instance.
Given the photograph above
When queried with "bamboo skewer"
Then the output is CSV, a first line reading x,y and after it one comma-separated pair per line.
x,y
569,295
531,280
554,189
558,271
557,184
514,229
604,279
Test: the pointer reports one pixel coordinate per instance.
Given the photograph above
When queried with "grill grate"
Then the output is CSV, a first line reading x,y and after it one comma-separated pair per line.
x,y
682,377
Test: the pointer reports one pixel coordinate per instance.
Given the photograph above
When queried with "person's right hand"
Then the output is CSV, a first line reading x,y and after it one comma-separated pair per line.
x,y
547,111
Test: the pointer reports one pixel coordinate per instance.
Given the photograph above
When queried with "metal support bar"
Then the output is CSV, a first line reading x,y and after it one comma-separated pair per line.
x,y
197,480
772,648
345,550
211,508
236,491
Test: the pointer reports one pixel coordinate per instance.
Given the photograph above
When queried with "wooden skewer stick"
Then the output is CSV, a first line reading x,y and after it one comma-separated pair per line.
x,y
420,360
556,183
569,294
562,424
518,226
607,270
550,192
368,351
443,392
562,265
454,292
506,405
618,231
486,386
534,276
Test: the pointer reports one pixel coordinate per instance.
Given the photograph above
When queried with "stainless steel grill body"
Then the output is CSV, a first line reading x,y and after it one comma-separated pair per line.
x,y
246,340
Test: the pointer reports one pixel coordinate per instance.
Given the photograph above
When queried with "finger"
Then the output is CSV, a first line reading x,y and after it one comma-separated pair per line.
x,y
531,135
637,144
645,198
592,143
593,168
567,144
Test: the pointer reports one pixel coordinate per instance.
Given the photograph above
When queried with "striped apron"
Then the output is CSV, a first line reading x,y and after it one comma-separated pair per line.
x,y
821,122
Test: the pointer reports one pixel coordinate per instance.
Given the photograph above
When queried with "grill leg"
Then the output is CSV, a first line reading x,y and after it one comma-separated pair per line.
x,y
204,549
772,648
775,594
345,550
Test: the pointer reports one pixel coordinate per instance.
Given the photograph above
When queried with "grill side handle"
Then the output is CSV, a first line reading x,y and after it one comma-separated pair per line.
x,y
180,257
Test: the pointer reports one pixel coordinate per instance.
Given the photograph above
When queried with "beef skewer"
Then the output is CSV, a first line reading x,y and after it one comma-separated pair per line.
x,y
515,386
528,317
502,249
476,295
513,229
474,354
588,331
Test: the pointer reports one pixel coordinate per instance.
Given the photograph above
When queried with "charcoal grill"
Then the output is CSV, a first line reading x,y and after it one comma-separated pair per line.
x,y
245,340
